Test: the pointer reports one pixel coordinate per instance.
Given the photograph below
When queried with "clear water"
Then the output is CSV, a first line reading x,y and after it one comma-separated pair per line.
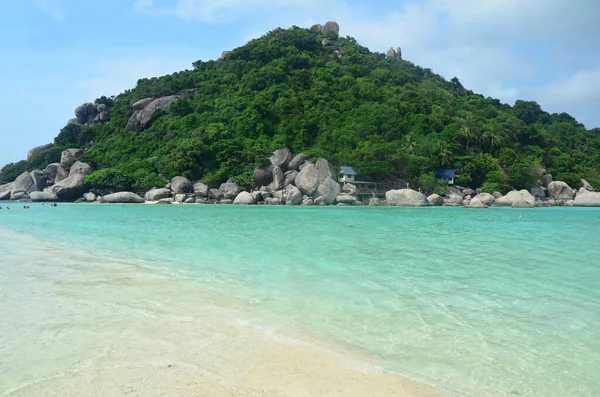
x,y
490,302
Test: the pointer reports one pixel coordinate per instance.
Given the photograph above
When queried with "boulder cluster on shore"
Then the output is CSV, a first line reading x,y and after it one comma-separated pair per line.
x,y
285,180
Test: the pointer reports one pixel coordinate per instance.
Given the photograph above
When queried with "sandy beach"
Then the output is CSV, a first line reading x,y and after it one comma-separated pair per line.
x,y
281,370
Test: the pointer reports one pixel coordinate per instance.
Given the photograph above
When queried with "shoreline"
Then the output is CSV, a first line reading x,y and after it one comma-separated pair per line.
x,y
169,350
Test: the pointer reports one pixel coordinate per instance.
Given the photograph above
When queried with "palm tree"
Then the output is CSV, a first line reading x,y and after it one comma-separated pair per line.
x,y
468,130
443,155
493,138
410,144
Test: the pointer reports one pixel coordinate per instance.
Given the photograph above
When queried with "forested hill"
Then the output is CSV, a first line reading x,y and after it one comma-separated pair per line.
x,y
312,92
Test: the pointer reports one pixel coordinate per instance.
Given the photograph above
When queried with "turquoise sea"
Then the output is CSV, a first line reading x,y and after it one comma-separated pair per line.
x,y
495,302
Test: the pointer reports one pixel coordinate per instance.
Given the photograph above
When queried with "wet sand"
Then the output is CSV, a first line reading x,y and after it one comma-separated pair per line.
x,y
281,370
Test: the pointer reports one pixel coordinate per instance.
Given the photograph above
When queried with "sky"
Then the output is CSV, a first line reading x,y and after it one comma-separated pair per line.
x,y
58,54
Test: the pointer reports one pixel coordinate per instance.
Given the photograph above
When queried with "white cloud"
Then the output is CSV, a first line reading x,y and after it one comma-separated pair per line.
x,y
53,8
143,5
576,94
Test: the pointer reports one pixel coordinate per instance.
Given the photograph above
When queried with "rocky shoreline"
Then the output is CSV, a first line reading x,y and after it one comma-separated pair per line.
x,y
285,180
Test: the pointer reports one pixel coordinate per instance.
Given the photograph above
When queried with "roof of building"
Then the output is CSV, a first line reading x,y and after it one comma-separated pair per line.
x,y
347,170
445,173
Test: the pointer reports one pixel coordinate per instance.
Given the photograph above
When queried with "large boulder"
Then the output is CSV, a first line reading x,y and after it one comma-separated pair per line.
x,y
454,199
55,173
522,204
263,176
515,196
325,169
503,201
157,194
329,190
80,168
69,155
141,118
229,190
406,198
5,191
560,191
38,197
538,192
258,197
200,189
244,198
297,162
476,203
181,184
391,53
90,197
290,178
214,194
145,116
278,178
586,185
133,123
38,149
281,158
485,198
349,188
319,201
308,179
92,113
345,198
122,197
22,186
70,188
435,200
39,180
589,199
293,196
545,180
331,27
142,103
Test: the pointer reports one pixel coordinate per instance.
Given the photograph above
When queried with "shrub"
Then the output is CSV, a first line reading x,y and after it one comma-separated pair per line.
x,y
11,171
429,184
44,157
108,180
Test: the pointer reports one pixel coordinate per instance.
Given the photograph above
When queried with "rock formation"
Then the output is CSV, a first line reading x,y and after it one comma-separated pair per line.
x,y
158,194
435,200
332,28
244,198
69,155
308,180
406,198
297,162
221,60
394,54
229,190
560,191
180,185
38,149
80,168
587,199
55,173
90,114
144,109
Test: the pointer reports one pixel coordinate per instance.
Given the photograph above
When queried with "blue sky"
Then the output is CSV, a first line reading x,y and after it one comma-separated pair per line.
x,y
58,54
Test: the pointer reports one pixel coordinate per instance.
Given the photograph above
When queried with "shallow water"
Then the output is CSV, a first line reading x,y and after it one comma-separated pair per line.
x,y
481,302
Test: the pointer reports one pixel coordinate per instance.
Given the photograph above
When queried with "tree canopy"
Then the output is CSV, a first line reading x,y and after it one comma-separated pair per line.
x,y
380,115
